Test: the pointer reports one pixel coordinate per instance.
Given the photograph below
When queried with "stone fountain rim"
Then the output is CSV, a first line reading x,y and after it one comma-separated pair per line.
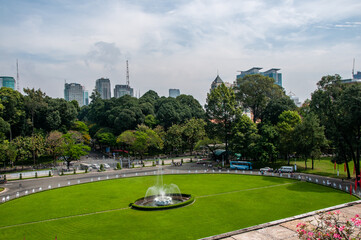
x,y
152,208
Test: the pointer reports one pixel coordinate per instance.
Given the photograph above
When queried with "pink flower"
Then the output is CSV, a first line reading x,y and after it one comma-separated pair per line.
x,y
310,234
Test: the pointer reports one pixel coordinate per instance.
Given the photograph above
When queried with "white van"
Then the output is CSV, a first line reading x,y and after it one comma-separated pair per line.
x,y
286,169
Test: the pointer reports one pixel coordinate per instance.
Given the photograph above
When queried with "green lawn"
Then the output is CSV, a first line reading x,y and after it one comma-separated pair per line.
x,y
99,210
324,167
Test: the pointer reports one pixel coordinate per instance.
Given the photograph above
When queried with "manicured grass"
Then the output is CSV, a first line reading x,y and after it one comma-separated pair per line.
x,y
324,167
1,189
223,202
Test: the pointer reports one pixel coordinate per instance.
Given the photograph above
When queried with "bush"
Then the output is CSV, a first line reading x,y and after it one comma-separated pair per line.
x,y
182,160
132,165
191,160
101,167
143,164
62,172
153,163
49,173
329,226
36,174
162,162
74,171
86,170
21,176
118,166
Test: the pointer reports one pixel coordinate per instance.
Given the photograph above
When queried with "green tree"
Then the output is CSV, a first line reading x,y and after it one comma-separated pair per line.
x,y
73,147
12,105
275,107
221,107
326,104
173,139
34,101
256,91
288,120
36,145
54,145
150,121
193,131
244,136
266,148
309,138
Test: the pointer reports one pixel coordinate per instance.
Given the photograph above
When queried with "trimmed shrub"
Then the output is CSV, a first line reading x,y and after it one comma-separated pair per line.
x,y
162,162
49,173
101,167
21,176
62,172
118,166
74,171
36,174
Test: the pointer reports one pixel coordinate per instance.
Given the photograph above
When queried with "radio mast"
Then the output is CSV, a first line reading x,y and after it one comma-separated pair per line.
x,y
127,74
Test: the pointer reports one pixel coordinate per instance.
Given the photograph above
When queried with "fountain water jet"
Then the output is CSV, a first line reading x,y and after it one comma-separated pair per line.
x,y
162,196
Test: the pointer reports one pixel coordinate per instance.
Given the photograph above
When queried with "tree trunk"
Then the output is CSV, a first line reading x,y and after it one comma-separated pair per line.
x,y
305,163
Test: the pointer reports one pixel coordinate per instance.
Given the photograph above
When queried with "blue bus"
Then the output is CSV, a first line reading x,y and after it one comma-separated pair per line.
x,y
241,165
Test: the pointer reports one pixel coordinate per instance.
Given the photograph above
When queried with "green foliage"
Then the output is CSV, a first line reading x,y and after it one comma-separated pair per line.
x,y
20,176
244,137
49,174
143,140
74,171
275,107
73,147
221,109
36,174
118,166
256,91
162,162
150,121
101,167
193,131
309,138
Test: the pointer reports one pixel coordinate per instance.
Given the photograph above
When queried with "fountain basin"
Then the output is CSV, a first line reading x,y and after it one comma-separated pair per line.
x,y
166,202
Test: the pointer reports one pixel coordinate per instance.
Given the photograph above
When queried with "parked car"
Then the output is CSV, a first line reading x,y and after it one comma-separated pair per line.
x,y
106,165
95,166
285,169
266,169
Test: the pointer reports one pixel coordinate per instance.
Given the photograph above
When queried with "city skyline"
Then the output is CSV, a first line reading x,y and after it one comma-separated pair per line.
x,y
182,44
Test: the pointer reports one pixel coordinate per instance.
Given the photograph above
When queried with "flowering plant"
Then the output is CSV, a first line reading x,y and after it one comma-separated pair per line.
x,y
329,226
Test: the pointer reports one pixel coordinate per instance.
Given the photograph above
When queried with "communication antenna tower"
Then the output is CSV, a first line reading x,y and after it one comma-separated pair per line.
x,y
353,68
17,76
127,74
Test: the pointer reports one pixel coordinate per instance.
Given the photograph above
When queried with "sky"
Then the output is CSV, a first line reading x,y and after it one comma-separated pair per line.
x,y
180,44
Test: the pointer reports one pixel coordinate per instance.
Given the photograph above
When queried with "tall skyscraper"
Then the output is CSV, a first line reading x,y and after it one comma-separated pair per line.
x,y
121,90
7,82
102,86
272,73
75,91
174,93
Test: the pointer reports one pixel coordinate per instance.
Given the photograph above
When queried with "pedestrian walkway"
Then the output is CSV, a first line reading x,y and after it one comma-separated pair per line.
x,y
286,229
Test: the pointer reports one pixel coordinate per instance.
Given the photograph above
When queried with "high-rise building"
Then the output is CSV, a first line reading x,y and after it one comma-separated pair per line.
x,y
7,82
121,90
295,99
272,73
75,91
174,93
102,86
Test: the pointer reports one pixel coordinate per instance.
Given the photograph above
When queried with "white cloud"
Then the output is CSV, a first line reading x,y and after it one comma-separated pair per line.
x,y
180,44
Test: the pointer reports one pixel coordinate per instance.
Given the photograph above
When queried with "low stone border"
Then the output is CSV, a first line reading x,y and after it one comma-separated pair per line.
x,y
278,222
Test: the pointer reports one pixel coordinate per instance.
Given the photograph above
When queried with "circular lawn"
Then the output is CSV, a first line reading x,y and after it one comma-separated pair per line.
x,y
100,210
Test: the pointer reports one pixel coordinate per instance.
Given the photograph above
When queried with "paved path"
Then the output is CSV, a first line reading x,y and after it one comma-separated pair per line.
x,y
281,229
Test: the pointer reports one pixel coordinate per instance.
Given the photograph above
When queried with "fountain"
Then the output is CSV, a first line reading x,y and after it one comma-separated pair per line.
x,y
162,196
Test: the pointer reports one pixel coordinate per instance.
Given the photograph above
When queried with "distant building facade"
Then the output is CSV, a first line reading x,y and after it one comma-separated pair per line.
x,y
102,86
216,82
75,91
174,93
272,73
295,99
121,90
356,78
7,82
